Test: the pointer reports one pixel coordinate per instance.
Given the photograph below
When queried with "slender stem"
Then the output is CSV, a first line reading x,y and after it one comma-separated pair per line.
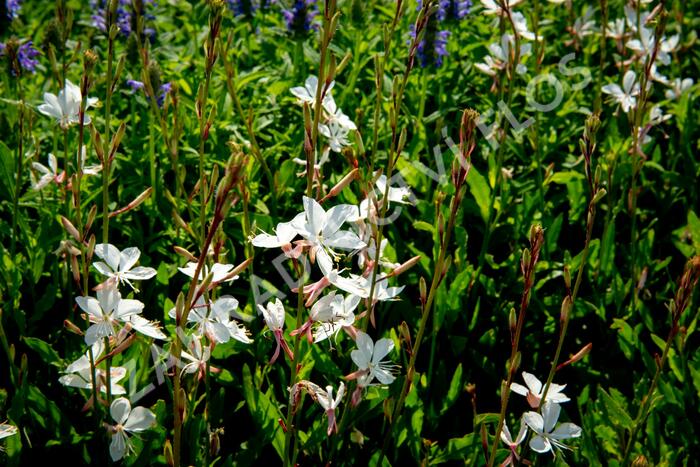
x,y
291,429
106,164
18,176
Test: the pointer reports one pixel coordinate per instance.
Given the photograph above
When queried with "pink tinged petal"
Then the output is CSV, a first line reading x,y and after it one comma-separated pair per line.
x,y
108,253
540,444
336,217
53,164
521,434
345,240
565,431
117,373
90,305
140,273
315,216
120,410
117,448
128,257
139,420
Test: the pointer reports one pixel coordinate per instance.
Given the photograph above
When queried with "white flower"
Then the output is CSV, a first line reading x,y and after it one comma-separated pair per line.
x,y
105,311
502,54
513,443
646,44
220,272
533,391
214,320
307,93
273,315
79,374
198,358
625,95
128,421
337,135
90,169
119,266
401,194
547,437
65,107
284,233
336,115
328,316
48,174
520,23
325,156
321,230
329,404
368,358
678,88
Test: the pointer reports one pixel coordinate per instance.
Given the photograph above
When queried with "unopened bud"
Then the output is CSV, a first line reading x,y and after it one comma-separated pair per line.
x,y
90,58
185,254
567,278
70,228
340,186
214,443
565,312
536,235
599,195
72,327
516,363
405,266
405,334
525,261
168,453
512,321
423,290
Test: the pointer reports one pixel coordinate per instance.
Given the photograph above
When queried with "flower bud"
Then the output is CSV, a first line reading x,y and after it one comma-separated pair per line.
x,y
423,290
512,321
599,195
168,453
640,461
567,277
70,228
565,312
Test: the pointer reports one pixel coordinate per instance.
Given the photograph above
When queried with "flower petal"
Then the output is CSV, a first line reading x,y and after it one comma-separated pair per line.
x,y
120,410
108,253
140,419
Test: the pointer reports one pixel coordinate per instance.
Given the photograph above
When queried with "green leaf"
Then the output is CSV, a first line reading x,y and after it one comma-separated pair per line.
x,y
44,350
453,391
616,412
7,172
480,191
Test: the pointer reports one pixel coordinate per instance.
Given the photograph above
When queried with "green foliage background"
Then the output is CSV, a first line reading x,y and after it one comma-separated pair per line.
x,y
457,385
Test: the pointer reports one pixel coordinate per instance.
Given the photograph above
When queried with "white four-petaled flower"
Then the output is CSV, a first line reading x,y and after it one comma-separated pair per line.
x,y
65,107
105,311
549,435
625,95
533,391
128,421
368,357
118,266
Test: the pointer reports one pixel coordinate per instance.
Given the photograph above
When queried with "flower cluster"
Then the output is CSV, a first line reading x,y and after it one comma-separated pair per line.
x,y
502,54
433,46
112,319
22,56
12,8
548,434
125,18
247,8
163,90
336,125
300,16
